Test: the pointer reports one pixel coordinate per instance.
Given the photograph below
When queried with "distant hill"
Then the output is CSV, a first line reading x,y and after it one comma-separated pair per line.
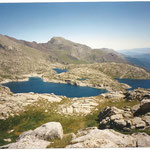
x,y
135,51
139,56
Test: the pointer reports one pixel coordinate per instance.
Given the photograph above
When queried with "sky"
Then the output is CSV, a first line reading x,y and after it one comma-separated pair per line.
x,y
115,25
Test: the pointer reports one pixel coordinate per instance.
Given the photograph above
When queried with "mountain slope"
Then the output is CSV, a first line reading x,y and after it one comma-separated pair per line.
x,y
67,51
19,57
16,59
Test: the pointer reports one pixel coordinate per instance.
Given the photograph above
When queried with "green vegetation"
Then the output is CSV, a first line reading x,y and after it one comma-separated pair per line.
x,y
35,115
57,143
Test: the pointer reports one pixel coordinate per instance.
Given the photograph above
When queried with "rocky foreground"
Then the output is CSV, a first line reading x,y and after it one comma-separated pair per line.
x,y
113,122
91,137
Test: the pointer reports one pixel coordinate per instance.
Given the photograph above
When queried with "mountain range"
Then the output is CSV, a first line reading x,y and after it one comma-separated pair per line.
x,y
24,57
138,56
65,51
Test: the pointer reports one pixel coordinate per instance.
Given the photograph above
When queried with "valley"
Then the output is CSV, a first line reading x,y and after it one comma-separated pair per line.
x,y
89,79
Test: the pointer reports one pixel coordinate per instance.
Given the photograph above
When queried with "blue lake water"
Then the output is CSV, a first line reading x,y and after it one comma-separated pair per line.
x,y
37,85
136,83
60,70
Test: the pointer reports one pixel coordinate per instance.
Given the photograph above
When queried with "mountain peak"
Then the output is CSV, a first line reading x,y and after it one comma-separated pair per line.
x,y
57,40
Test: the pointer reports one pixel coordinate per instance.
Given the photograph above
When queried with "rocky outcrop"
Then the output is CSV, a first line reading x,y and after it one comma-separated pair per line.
x,y
112,117
79,106
11,104
138,94
107,138
95,138
113,95
122,119
38,138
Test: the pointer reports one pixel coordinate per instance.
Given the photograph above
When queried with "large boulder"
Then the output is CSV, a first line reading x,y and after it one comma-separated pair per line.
x,y
50,130
38,138
95,138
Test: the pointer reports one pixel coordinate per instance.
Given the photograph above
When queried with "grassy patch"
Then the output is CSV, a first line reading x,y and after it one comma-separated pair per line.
x,y
36,115
57,143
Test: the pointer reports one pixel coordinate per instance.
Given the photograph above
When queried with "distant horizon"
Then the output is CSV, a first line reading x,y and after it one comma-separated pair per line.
x,y
78,43
113,25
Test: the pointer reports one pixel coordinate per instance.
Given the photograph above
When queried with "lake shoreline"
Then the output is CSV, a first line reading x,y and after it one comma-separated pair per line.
x,y
38,85
26,77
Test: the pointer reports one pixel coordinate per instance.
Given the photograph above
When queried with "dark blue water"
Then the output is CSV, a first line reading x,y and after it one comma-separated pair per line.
x,y
60,70
136,83
38,86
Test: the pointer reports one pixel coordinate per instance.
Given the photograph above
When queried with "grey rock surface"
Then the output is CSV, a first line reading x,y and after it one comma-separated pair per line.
x,y
143,139
95,138
38,138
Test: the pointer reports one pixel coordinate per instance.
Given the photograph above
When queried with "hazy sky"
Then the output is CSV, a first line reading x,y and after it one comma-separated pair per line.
x,y
117,25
